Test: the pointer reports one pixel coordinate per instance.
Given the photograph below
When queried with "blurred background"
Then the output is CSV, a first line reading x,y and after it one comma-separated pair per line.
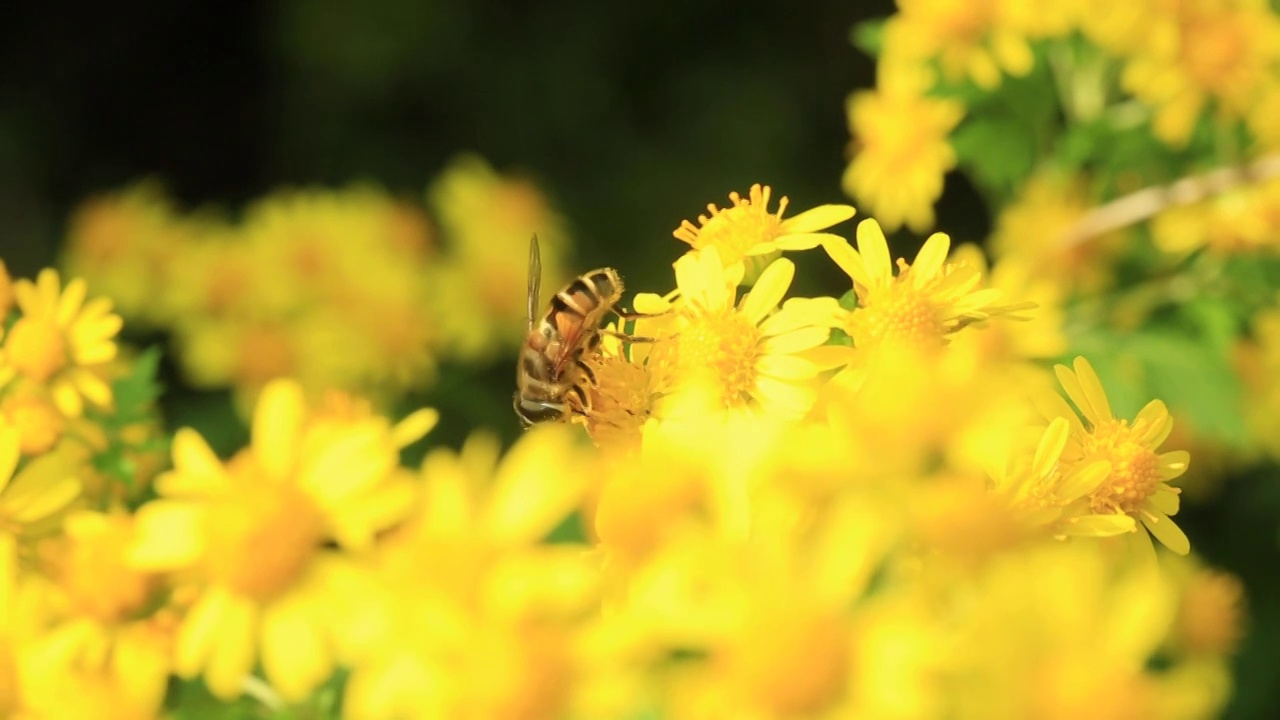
x,y
630,117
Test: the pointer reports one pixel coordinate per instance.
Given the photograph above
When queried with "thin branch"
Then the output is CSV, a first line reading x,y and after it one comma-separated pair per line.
x,y
1147,203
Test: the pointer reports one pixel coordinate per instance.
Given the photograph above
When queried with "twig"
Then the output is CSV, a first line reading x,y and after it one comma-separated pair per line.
x,y
1148,202
256,688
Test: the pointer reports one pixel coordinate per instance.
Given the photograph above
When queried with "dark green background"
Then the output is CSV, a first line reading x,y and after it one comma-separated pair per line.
x,y
632,115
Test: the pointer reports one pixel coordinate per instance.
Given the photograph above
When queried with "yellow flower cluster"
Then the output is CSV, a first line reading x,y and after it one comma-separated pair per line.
x,y
1114,64
877,505
340,289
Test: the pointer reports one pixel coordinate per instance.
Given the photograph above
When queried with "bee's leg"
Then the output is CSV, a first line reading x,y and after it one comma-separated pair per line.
x,y
631,315
626,337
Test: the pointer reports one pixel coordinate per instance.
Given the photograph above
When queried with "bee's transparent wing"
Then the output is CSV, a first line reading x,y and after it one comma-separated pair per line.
x,y
535,280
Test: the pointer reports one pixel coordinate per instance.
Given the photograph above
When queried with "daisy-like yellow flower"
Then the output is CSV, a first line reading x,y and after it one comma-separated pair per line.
x,y
1194,53
900,154
927,301
250,535
973,39
33,497
750,351
1137,482
749,229
61,341
110,639
476,615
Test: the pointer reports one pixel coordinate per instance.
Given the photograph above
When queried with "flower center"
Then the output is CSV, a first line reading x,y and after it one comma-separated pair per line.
x,y
37,348
97,578
897,314
1213,51
620,401
265,354
38,422
725,345
1135,469
735,230
262,534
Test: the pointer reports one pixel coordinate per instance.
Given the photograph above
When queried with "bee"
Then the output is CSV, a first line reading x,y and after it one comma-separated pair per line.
x,y
553,377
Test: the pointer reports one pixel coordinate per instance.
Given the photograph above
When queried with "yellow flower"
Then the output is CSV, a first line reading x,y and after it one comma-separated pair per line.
x,y
900,154
486,218
749,229
124,245
1246,219
976,39
251,535
61,341
1194,53
1064,631
475,615
1136,484
750,351
32,498
1258,365
926,302
105,644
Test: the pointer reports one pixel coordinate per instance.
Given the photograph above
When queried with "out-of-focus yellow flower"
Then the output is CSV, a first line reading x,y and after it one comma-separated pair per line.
x,y
973,40
1258,365
31,498
749,229
6,291
1034,230
1240,220
1038,334
487,219
477,617
61,341
28,408
750,351
1136,483
1049,631
926,302
250,534
900,154
124,246
104,645
1196,53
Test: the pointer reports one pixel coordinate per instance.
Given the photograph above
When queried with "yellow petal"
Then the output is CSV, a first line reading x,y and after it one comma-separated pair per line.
x,y
1158,421
198,631
9,453
814,219
769,290
1093,390
1102,525
277,426
794,341
413,427
785,367
35,506
192,455
67,398
523,507
91,386
650,303
848,259
234,647
930,259
801,241
1166,531
1050,447
875,254
71,300
1083,480
168,534
1166,499
1174,464
295,656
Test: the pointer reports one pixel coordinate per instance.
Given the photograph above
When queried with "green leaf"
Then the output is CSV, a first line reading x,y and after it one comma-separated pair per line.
x,y
868,36
999,151
136,393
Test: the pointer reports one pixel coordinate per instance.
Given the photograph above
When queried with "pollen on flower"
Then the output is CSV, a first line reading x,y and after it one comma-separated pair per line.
x,y
261,535
36,348
900,313
735,230
1135,469
726,346
621,400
